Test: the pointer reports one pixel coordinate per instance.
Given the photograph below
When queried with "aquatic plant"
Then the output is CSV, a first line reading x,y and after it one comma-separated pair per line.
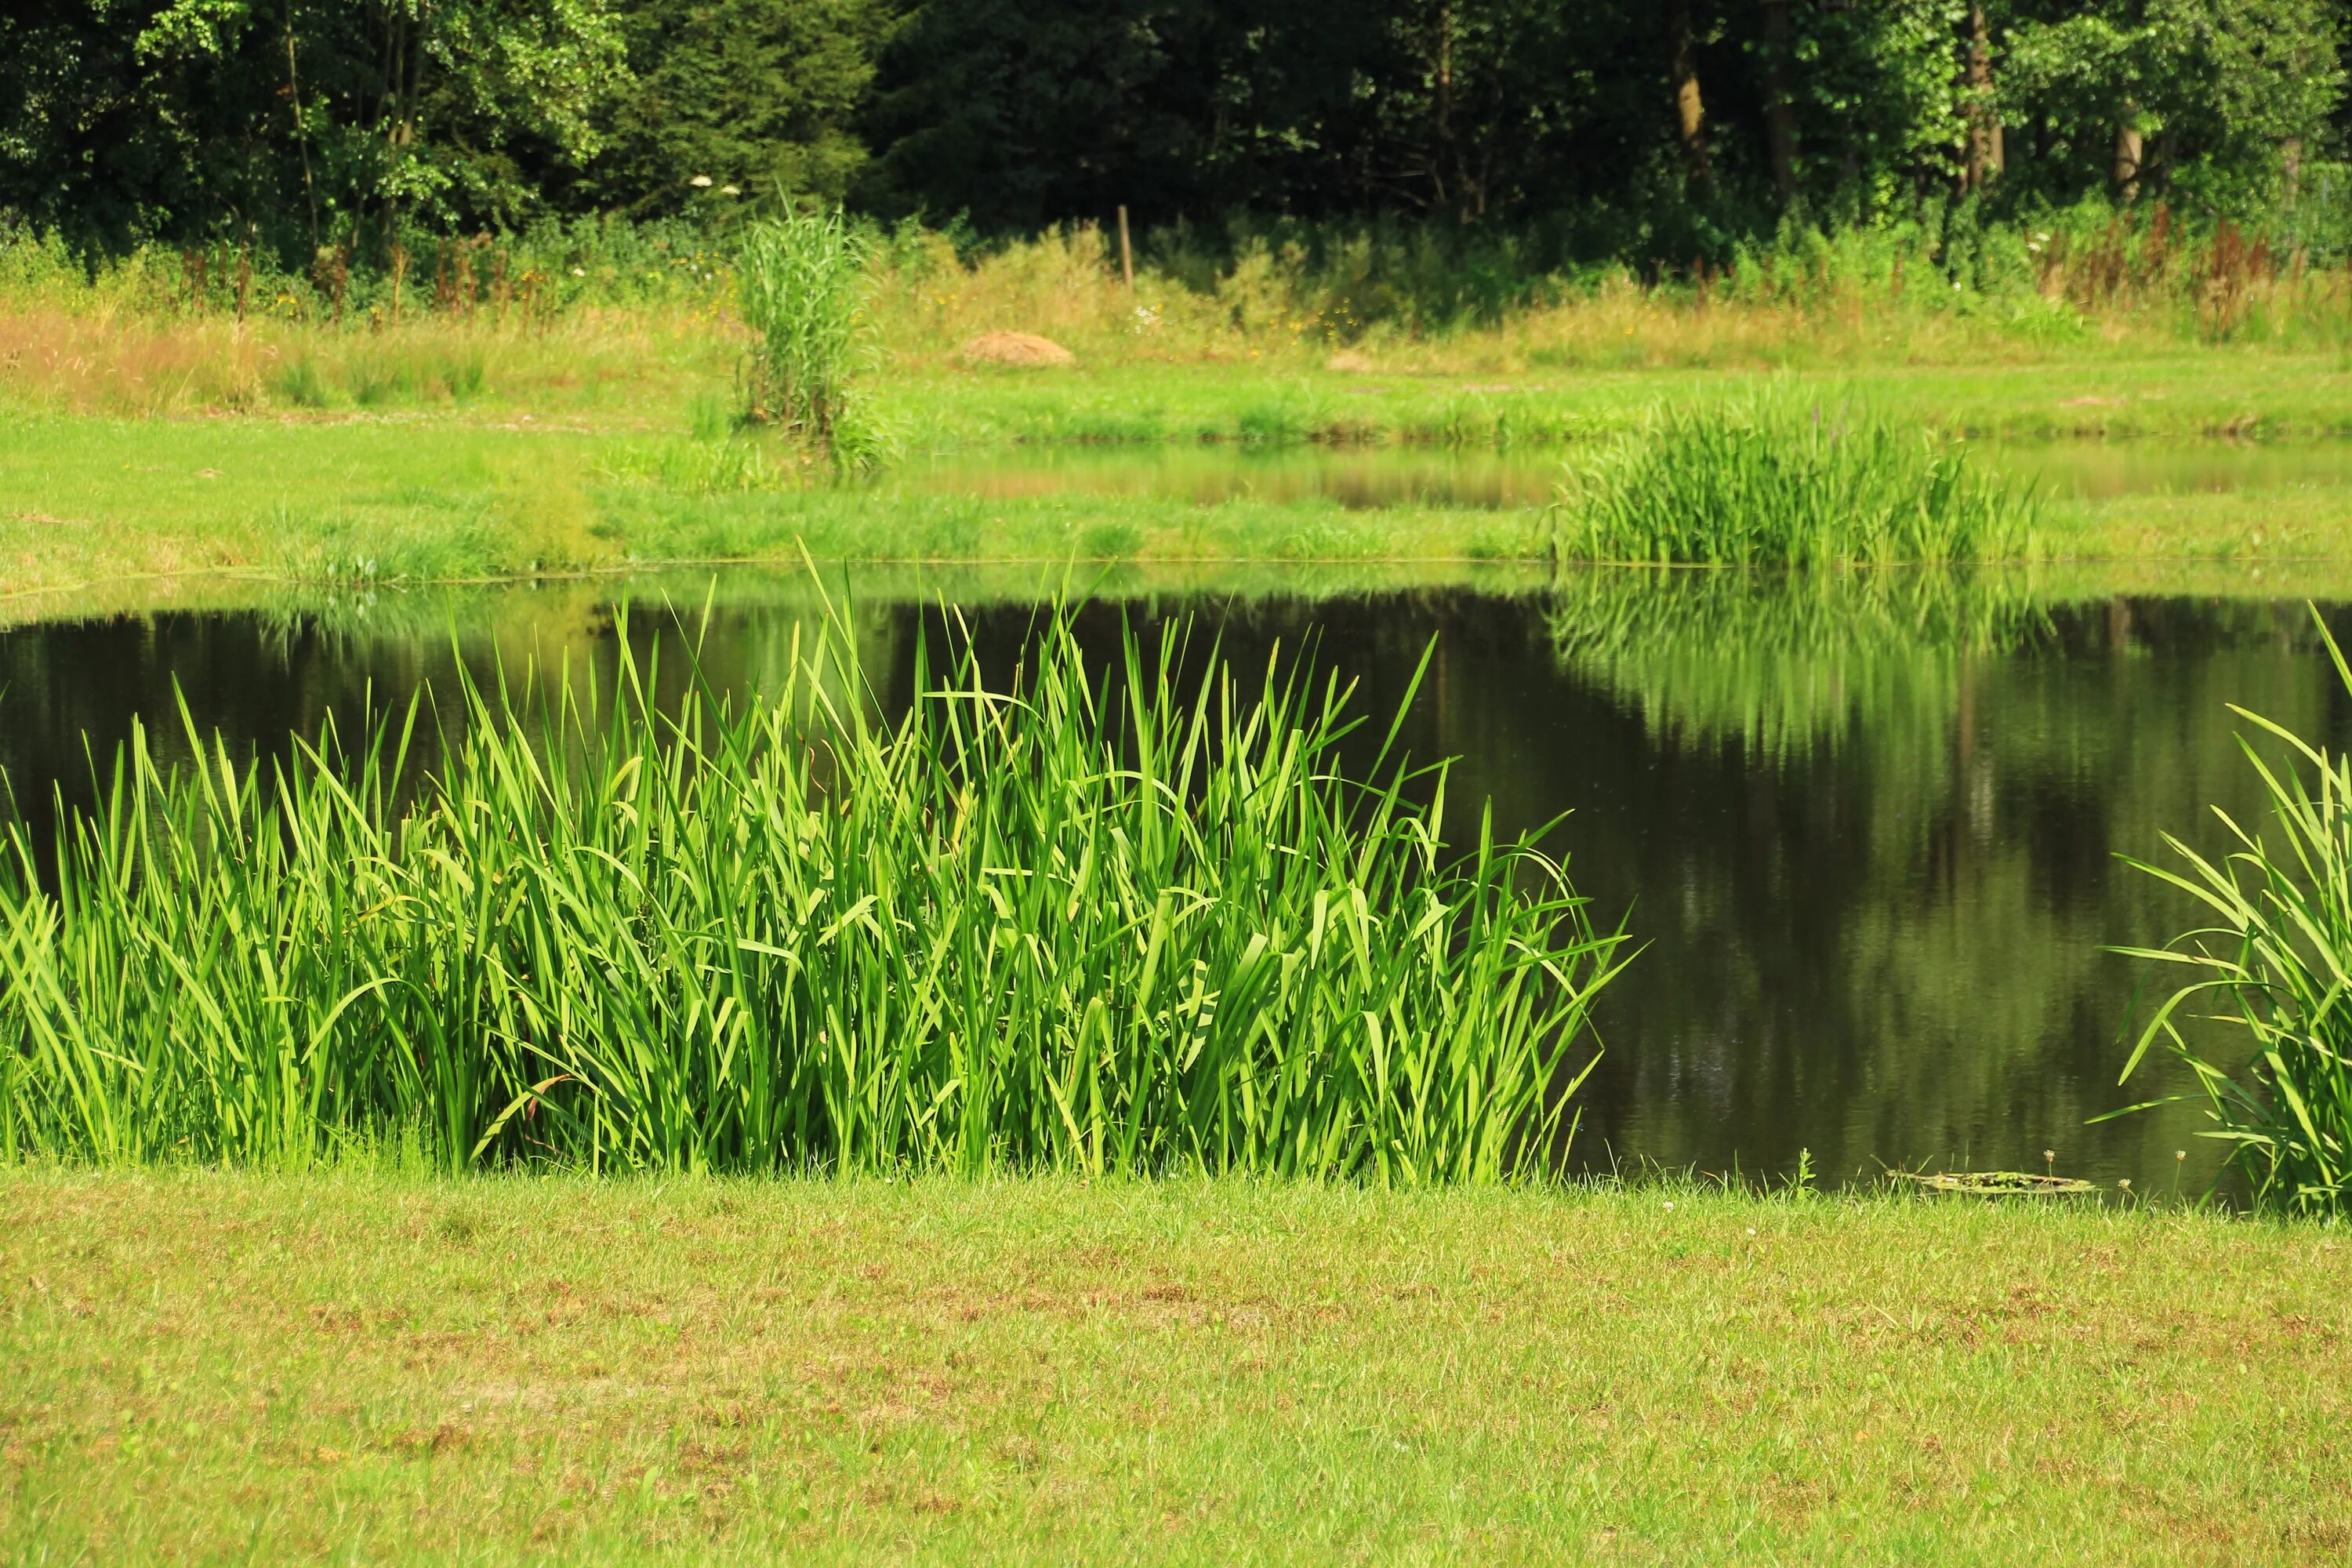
x,y
1774,478
801,280
2277,968
1124,923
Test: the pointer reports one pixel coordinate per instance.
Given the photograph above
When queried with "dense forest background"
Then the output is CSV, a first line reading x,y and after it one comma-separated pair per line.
x,y
1656,132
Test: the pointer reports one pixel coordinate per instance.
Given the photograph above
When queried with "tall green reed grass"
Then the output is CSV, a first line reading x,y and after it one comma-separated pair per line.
x,y
802,283
1774,478
2276,969
1097,924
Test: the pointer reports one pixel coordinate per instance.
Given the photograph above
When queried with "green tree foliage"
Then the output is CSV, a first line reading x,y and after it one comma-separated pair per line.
x,y
1566,124
762,95
1526,112
194,116
2221,93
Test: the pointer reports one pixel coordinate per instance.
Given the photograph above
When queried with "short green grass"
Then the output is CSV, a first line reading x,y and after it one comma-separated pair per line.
x,y
2209,393
494,490
351,1368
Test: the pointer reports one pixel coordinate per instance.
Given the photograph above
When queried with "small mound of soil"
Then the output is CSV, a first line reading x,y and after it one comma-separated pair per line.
x,y
1014,349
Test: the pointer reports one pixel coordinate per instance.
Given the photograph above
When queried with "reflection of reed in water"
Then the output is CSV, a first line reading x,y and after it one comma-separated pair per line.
x,y
1784,663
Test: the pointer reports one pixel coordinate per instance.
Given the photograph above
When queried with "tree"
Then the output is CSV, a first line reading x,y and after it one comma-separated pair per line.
x,y
761,94
185,118
1690,108
2202,96
1779,55
1981,107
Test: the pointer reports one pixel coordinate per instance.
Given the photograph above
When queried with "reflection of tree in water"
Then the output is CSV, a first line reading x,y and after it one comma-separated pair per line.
x,y
1785,663
1872,839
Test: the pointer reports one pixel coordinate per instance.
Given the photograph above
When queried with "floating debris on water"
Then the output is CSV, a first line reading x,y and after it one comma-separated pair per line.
x,y
1998,1184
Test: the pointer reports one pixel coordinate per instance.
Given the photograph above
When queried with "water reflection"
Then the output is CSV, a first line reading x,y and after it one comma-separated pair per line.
x,y
1366,477
1865,825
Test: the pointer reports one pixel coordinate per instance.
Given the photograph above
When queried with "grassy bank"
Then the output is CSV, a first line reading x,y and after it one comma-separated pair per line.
x,y
451,495
200,1368
145,433
673,371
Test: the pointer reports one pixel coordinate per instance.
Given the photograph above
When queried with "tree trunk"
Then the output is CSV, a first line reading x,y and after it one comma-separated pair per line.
x,y
1690,112
1780,106
2291,168
2126,171
301,133
1446,156
1985,152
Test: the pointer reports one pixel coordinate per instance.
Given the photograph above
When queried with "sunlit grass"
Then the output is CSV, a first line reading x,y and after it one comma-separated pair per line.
x,y
204,1367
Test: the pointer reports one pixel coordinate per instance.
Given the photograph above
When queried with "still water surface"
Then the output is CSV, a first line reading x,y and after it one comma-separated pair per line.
x,y
1866,827
1365,478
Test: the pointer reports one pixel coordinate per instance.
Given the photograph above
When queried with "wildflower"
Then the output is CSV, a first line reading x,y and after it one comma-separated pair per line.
x,y
579,273
2179,1155
1670,1203
2124,1185
701,181
730,190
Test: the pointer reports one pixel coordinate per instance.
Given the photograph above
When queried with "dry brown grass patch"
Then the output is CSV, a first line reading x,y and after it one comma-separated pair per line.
x,y
1015,350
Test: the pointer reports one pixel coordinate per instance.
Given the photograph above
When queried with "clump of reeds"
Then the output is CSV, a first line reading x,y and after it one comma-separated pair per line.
x,y
802,283
2277,969
1099,925
1777,480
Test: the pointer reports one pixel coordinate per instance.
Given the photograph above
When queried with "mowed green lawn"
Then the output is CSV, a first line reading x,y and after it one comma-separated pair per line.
x,y
347,1368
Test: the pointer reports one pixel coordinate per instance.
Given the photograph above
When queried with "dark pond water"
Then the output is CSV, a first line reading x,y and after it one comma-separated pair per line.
x,y
1866,827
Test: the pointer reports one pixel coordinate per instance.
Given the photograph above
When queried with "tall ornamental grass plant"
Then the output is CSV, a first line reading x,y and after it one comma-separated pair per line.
x,y
1092,925
801,280
1775,479
2275,970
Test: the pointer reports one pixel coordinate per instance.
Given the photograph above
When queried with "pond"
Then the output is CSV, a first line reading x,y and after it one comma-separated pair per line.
x,y
1866,825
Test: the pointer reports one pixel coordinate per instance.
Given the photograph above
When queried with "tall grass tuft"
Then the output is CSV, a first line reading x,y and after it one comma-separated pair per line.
x,y
1776,480
1114,924
802,283
2277,969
